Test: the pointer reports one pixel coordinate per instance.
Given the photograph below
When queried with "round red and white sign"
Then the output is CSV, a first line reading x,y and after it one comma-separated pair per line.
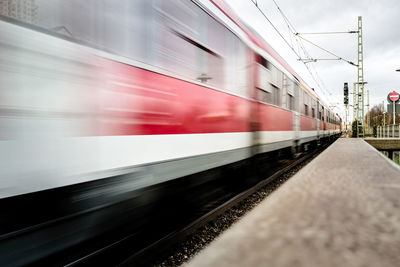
x,y
394,96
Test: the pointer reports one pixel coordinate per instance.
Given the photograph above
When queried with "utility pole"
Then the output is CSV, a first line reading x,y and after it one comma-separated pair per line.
x,y
360,82
355,103
358,87
368,114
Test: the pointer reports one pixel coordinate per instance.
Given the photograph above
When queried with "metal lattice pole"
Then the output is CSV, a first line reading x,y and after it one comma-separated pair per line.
x,y
355,102
368,114
360,81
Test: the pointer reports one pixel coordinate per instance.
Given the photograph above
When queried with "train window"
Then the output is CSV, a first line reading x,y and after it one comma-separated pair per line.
x,y
263,62
107,25
211,56
176,35
296,96
236,67
118,26
285,91
314,105
195,45
176,42
291,88
305,99
264,96
181,15
313,112
319,111
263,78
291,102
277,96
307,103
276,76
305,109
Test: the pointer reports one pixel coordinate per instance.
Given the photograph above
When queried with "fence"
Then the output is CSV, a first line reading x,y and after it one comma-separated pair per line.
x,y
392,131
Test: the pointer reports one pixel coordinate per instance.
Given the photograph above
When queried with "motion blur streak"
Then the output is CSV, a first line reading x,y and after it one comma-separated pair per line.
x,y
102,101
55,92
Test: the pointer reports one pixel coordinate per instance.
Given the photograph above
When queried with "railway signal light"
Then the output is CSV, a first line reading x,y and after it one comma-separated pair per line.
x,y
346,93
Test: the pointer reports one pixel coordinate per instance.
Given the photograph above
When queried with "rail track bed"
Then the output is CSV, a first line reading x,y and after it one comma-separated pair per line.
x,y
179,246
183,221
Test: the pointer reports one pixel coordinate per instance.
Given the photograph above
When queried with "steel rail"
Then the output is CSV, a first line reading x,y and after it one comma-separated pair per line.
x,y
147,254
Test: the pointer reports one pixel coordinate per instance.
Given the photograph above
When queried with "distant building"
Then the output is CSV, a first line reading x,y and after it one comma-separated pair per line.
x,y
23,10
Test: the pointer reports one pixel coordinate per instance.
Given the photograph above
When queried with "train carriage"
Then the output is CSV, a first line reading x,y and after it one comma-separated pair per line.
x,y
100,100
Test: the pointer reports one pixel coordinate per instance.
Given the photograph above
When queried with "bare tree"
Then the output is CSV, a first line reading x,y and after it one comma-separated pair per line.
x,y
377,117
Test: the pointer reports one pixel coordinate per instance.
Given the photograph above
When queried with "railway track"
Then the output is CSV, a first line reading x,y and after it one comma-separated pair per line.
x,y
161,248
145,247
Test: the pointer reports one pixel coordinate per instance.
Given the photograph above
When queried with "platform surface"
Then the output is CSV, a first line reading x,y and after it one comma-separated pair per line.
x,y
342,209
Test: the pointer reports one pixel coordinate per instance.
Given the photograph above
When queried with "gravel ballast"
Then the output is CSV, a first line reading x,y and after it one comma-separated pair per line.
x,y
182,252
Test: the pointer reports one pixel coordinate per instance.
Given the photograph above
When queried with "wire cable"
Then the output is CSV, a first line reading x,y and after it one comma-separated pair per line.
x,y
329,52
305,52
316,77
273,26
304,33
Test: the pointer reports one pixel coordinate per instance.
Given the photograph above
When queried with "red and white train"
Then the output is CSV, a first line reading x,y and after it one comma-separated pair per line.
x,y
100,99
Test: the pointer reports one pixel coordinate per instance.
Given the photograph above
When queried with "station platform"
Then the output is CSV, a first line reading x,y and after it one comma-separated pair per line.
x,y
342,209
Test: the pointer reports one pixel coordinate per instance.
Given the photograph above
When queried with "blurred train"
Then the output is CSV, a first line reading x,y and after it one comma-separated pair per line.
x,y
101,100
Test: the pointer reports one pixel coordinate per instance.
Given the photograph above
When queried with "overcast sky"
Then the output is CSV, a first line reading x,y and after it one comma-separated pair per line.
x,y
381,38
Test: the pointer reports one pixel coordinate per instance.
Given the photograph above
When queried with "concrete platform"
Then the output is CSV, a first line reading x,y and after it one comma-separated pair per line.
x,y
342,209
384,143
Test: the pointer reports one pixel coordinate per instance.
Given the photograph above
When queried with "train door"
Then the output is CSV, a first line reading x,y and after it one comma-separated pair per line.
x,y
318,119
323,121
296,125
296,113
263,94
255,119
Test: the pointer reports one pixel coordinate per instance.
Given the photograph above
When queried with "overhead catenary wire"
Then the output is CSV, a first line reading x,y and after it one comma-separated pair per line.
x,y
304,33
290,46
327,51
307,56
300,44
273,26
305,52
317,79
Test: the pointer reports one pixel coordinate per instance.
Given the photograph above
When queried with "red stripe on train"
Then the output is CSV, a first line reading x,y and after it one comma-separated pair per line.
x,y
274,118
141,102
307,123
